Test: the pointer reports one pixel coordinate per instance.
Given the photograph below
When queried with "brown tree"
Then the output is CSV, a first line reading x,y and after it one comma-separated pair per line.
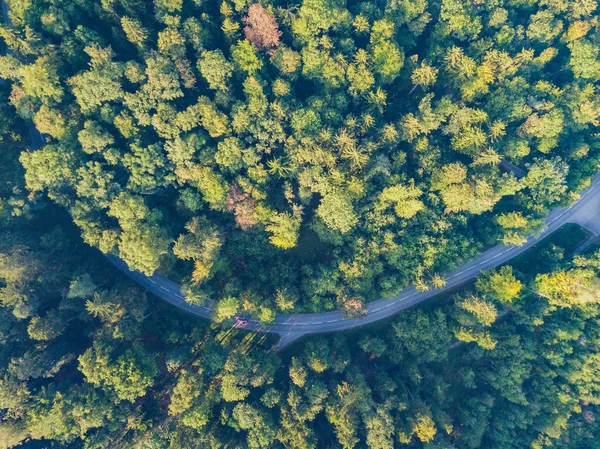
x,y
242,205
261,27
352,307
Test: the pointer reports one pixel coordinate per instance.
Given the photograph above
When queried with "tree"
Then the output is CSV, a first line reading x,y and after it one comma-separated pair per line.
x,y
315,16
458,20
500,285
476,198
243,206
142,247
225,309
201,241
337,212
420,337
546,180
316,354
387,60
50,169
185,392
380,429
14,397
373,345
352,307
261,27
424,428
94,139
424,75
454,173
482,311
215,69
48,327
481,337
517,228
40,80
261,433
404,198
100,307
359,75
214,121
134,30
162,81
544,128
584,59
284,229
50,121
244,56
568,288
210,184
201,244
196,417
100,84
286,60
544,26
229,154
142,242
297,372
128,374
231,391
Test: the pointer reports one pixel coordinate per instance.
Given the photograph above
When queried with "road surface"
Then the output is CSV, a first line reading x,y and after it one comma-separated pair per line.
x,y
585,212
291,327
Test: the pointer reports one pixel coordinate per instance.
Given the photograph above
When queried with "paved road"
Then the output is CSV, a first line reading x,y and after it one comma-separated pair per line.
x,y
585,212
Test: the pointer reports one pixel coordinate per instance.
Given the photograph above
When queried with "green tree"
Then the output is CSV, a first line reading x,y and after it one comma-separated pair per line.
x,y
481,311
337,212
568,288
546,181
284,229
128,374
424,75
40,80
500,285
387,59
215,69
225,309
424,428
101,83
201,244
134,30
245,57
229,154
48,327
404,199
184,392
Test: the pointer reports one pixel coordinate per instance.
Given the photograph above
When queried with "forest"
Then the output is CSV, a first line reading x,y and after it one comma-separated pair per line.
x,y
297,156
88,360
309,155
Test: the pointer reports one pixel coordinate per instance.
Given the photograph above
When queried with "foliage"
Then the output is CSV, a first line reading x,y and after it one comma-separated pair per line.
x,y
382,130
296,156
83,364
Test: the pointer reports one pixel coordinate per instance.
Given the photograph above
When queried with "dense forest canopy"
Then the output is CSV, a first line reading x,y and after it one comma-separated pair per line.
x,y
289,156
89,361
305,155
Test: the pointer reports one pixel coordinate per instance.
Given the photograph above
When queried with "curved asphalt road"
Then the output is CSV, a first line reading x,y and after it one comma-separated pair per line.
x,y
291,327
586,212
